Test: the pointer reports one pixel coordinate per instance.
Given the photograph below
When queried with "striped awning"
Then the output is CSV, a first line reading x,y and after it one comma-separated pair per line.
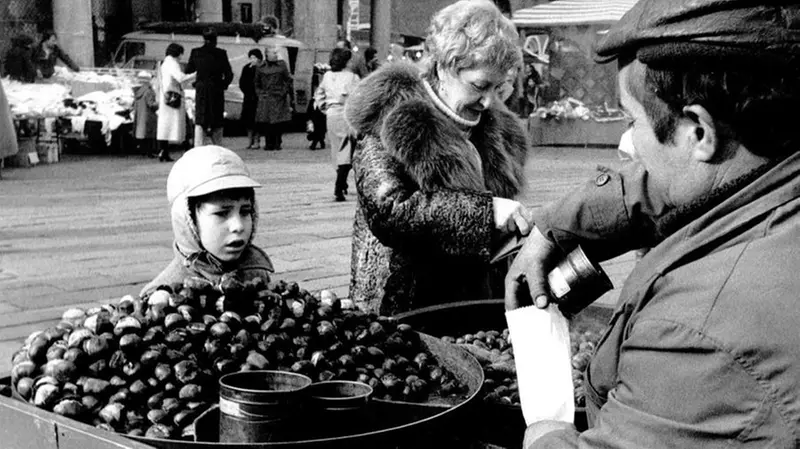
x,y
572,12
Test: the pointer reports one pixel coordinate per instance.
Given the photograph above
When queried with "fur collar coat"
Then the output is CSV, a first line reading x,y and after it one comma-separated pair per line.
x,y
424,222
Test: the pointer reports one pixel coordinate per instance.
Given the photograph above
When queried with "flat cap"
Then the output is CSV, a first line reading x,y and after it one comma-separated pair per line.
x,y
712,32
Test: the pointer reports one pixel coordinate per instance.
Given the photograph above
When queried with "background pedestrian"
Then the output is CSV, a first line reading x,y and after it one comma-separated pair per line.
x,y
18,64
214,75
317,126
48,53
171,119
275,90
145,121
330,97
248,86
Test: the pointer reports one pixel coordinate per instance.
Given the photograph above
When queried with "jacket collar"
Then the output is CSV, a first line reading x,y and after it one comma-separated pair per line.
x,y
717,228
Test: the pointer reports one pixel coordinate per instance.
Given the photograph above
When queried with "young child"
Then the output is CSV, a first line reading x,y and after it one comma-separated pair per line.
x,y
145,105
214,217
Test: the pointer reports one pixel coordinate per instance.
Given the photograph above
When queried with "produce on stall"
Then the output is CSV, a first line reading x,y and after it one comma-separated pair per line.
x,y
494,350
480,327
149,367
70,105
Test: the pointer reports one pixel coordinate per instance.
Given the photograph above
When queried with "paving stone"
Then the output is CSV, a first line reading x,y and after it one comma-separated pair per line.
x,y
94,228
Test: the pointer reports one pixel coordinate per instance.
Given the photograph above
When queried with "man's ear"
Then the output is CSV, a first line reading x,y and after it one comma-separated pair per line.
x,y
703,137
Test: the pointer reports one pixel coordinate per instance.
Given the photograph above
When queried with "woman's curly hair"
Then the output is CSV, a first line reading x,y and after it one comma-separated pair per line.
x,y
470,34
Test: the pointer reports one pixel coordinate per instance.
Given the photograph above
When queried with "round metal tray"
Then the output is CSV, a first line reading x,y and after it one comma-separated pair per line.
x,y
393,424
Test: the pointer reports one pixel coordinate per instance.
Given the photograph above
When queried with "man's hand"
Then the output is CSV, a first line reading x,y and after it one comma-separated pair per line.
x,y
542,428
534,261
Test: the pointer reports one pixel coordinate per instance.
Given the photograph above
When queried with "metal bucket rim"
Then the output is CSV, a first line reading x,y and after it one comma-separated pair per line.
x,y
306,380
366,394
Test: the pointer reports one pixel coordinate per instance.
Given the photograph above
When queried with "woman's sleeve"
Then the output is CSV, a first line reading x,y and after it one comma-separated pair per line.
x,y
151,100
258,83
183,78
243,78
400,215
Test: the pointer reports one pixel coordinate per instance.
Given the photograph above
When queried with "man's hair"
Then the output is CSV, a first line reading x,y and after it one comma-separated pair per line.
x,y
257,53
210,36
47,34
339,59
471,34
752,105
174,50
370,53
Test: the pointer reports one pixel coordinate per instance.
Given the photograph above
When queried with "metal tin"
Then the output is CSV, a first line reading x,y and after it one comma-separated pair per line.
x,y
258,406
577,282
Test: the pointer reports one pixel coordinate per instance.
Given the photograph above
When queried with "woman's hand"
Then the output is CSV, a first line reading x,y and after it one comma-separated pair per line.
x,y
511,216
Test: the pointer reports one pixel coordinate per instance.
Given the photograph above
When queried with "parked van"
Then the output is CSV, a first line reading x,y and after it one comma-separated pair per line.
x,y
144,50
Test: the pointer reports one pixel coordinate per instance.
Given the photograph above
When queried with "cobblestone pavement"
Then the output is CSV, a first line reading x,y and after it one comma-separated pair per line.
x,y
93,228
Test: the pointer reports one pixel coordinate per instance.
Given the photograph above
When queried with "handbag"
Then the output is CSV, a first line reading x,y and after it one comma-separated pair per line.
x,y
172,99
172,96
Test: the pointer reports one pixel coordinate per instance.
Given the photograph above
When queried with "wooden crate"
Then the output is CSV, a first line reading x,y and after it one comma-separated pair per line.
x,y
49,151
26,156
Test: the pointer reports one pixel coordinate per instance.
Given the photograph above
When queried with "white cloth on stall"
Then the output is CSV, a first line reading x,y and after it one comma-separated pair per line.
x,y
78,123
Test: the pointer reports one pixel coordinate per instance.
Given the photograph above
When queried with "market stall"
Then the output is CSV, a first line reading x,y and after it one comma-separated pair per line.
x,y
88,109
311,372
578,97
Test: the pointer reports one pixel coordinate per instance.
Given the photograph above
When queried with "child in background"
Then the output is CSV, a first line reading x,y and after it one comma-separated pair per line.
x,y
145,119
214,218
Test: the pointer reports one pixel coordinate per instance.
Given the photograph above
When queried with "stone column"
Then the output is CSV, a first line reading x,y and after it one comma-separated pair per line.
x,y
209,10
380,18
72,22
315,23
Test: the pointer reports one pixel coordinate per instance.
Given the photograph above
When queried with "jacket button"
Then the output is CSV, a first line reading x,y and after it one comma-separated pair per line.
x,y
602,180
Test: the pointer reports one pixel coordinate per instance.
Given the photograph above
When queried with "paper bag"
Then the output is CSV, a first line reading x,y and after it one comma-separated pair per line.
x,y
540,338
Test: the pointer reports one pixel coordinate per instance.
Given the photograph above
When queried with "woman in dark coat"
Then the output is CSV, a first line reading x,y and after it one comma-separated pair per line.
x,y
438,164
248,85
274,87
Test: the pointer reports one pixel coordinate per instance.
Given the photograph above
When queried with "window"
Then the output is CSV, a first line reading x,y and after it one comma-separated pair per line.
x,y
127,51
246,12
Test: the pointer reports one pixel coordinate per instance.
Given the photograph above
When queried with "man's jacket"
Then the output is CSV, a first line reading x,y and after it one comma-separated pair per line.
x,y
703,350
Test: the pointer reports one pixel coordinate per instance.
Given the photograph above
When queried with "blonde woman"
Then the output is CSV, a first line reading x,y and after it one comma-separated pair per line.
x,y
438,166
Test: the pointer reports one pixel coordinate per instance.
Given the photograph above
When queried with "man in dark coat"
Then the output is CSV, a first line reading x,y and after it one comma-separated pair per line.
x,y
274,87
214,74
18,62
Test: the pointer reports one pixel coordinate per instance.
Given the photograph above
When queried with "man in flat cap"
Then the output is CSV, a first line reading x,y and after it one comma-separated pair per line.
x,y
703,350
